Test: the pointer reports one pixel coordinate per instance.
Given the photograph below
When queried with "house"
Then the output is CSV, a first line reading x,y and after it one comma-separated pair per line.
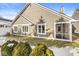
x,y
5,26
38,21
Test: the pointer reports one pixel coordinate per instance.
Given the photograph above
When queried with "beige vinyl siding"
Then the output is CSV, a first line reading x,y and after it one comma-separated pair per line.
x,y
21,20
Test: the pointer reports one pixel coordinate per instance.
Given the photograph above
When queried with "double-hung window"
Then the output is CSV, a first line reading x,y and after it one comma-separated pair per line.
x,y
41,28
25,29
15,29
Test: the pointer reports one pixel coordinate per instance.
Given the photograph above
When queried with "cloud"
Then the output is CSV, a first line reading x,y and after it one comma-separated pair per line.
x,y
8,14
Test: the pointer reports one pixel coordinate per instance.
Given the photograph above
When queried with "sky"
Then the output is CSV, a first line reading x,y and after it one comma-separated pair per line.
x,y
69,8
11,10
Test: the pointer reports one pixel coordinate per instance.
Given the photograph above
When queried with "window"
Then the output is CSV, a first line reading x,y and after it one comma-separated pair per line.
x,y
25,29
15,29
6,26
41,28
1,25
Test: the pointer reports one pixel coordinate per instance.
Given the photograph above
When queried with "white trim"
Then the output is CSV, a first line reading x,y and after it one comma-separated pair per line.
x,y
74,20
22,28
18,14
63,40
70,31
54,31
14,30
50,10
38,30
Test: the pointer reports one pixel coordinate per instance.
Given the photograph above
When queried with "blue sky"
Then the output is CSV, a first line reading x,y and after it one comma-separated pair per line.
x,y
11,10
69,8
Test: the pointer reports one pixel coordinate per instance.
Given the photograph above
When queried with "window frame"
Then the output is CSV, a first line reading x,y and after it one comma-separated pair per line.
x,y
26,30
14,29
67,34
41,30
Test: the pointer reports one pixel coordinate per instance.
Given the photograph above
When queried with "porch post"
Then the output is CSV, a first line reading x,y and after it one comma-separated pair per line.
x,y
54,31
70,31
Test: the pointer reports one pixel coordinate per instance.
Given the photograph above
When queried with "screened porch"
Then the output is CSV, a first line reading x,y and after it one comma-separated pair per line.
x,y
63,31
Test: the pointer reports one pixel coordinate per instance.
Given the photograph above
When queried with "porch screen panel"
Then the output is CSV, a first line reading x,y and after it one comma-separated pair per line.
x,y
62,31
75,30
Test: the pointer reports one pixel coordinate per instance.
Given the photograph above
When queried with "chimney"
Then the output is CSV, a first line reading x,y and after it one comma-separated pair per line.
x,y
62,9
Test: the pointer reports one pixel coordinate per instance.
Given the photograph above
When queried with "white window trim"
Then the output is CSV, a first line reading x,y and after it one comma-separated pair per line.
x,y
38,30
22,28
17,28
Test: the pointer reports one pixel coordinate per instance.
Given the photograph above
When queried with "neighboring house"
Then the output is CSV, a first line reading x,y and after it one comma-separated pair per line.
x,y
38,21
5,26
76,17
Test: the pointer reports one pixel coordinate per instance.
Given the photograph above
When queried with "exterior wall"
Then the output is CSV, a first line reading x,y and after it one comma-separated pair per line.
x,y
21,20
6,28
34,13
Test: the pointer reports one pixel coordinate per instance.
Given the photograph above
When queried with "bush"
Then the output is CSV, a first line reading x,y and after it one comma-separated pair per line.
x,y
22,49
7,48
41,50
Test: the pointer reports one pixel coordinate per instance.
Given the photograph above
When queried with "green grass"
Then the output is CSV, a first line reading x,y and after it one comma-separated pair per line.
x,y
49,43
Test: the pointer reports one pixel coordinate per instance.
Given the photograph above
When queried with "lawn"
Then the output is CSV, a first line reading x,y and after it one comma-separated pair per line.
x,y
33,41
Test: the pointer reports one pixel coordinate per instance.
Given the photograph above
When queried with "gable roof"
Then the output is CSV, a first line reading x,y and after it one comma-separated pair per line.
x,y
56,12
50,10
25,7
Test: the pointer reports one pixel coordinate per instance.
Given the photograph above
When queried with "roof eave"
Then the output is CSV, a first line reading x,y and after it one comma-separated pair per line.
x,y
25,7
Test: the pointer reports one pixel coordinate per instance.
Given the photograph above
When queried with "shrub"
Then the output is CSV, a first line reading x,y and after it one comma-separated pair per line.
x,y
49,52
22,49
7,48
41,50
